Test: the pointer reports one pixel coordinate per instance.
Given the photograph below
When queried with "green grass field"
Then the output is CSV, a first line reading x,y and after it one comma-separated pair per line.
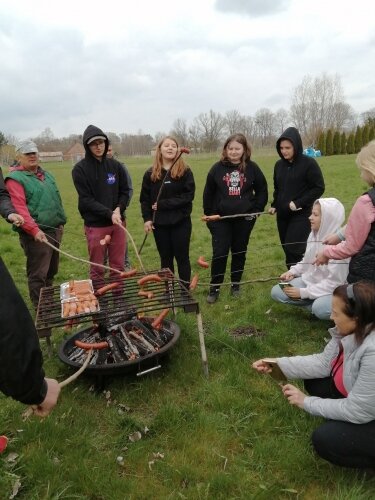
x,y
230,436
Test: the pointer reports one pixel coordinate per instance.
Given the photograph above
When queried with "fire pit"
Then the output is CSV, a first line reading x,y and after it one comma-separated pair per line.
x,y
128,300
123,353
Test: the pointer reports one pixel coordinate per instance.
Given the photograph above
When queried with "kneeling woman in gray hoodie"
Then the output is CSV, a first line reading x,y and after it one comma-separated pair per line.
x,y
339,380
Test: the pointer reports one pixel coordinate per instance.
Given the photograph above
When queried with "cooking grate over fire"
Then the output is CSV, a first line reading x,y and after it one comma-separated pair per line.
x,y
126,300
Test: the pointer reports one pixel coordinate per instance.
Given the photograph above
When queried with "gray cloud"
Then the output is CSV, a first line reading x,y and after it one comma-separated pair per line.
x,y
252,8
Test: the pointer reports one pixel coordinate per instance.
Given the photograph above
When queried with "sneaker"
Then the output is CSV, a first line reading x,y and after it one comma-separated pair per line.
x,y
235,291
213,296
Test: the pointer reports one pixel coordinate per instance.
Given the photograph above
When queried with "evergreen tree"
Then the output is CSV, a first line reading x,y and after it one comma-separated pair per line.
x,y
343,144
336,143
371,135
365,135
322,143
358,140
329,143
350,144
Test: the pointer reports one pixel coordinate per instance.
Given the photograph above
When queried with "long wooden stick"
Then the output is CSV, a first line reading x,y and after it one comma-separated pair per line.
x,y
213,218
78,372
202,344
81,260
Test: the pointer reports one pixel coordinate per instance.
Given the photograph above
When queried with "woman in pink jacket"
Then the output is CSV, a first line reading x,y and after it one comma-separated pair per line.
x,y
359,242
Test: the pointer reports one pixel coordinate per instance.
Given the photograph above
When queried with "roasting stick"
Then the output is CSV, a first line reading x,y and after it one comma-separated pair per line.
x,y
78,372
202,344
213,218
81,260
137,253
31,409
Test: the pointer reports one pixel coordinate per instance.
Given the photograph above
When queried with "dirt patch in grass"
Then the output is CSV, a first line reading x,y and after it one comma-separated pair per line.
x,y
246,331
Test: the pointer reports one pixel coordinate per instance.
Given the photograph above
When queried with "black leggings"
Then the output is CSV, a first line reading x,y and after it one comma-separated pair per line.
x,y
293,233
173,242
342,443
229,235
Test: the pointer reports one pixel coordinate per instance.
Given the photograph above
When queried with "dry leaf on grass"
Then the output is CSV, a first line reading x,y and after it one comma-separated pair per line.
x,y
136,436
16,487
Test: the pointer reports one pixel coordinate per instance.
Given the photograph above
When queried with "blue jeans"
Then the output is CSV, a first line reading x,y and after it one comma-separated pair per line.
x,y
320,307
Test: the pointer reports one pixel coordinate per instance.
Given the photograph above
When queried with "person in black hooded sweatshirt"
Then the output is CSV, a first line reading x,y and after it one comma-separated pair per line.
x,y
103,194
298,182
235,185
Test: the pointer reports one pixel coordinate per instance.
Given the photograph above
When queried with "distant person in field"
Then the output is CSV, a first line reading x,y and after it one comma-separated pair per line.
x,y
312,286
298,182
359,238
21,363
166,198
36,198
130,184
103,195
340,380
234,185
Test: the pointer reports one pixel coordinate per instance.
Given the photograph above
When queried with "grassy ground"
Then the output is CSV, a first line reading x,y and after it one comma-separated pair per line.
x,y
231,436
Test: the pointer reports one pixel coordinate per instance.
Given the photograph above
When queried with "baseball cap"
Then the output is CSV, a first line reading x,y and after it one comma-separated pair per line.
x,y
92,139
25,147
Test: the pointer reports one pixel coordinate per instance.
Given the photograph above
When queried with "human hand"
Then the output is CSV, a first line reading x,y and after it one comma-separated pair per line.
x,y
293,206
287,276
41,237
116,216
294,395
148,226
320,259
53,392
272,210
331,239
292,292
16,219
261,366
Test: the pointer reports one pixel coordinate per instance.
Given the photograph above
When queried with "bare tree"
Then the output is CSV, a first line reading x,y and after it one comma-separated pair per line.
x,y
368,116
180,131
318,104
264,121
233,121
281,118
195,137
210,126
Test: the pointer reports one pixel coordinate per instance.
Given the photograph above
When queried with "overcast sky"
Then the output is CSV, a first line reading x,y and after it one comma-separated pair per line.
x,y
138,65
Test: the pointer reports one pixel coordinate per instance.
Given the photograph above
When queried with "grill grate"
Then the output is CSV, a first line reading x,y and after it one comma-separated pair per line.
x,y
123,302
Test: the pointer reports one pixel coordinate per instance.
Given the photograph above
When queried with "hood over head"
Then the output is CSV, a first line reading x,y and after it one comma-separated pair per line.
x,y
332,216
92,133
292,135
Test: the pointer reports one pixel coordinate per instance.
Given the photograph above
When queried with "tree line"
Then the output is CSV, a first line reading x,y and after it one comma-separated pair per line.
x,y
318,109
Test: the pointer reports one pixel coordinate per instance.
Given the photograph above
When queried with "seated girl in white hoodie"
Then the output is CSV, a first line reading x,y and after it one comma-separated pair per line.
x,y
312,286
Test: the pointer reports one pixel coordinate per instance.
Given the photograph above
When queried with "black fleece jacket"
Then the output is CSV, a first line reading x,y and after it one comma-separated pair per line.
x,y
21,370
176,198
102,186
300,180
228,191
6,206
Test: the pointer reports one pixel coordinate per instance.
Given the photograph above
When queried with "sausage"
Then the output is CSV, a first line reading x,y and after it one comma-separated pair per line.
x,y
87,345
157,321
149,278
202,262
210,218
106,240
145,293
194,282
128,274
106,288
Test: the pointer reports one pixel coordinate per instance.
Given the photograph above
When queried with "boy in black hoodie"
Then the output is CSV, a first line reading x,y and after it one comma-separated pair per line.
x,y
103,195
298,182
